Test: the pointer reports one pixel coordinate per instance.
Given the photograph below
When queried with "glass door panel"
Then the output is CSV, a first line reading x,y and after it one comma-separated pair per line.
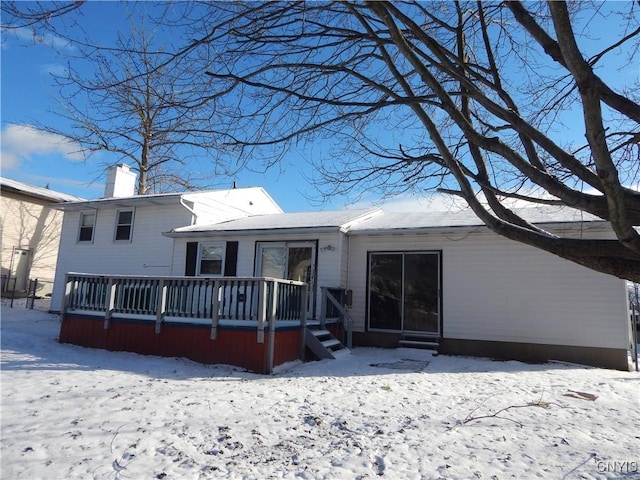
x,y
299,264
385,291
272,262
404,292
421,298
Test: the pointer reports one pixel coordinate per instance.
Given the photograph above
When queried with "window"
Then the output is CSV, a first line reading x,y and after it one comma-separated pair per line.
x,y
211,259
124,225
87,223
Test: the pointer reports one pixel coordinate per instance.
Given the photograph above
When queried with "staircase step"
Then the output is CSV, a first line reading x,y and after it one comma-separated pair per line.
x,y
333,342
320,333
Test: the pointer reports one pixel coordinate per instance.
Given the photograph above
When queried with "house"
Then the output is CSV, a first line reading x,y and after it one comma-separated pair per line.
x,y
122,232
440,277
260,288
30,235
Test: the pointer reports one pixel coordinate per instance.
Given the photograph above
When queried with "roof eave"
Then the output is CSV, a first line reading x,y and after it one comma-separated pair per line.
x,y
565,225
251,232
124,202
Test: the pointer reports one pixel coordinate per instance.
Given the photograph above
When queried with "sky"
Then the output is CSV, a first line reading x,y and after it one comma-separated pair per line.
x,y
28,97
30,156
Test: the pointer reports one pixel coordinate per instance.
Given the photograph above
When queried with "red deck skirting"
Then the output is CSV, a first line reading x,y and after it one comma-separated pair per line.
x,y
233,345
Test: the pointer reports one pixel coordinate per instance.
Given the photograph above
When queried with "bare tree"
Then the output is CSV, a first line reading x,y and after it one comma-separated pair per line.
x,y
490,102
138,101
469,98
133,104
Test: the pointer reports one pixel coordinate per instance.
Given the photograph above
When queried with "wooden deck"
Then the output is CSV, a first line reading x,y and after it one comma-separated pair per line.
x,y
252,323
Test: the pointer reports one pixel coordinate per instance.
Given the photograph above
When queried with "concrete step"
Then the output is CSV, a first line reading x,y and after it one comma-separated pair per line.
x,y
424,344
343,352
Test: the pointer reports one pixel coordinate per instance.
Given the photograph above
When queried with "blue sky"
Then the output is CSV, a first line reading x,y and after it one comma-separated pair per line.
x,y
27,97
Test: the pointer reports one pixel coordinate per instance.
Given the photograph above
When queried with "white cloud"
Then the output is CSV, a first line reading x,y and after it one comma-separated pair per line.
x,y
8,161
47,39
55,69
21,142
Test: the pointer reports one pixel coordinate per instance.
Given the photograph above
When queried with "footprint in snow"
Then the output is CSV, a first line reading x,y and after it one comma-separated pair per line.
x,y
378,465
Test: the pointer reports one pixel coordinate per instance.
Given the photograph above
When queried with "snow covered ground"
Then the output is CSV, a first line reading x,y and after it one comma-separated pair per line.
x,y
75,413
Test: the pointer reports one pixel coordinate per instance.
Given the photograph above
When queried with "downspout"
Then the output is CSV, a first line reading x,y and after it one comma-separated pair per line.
x,y
348,260
194,219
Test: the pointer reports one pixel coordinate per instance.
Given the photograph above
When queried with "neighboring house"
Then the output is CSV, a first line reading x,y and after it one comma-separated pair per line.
x,y
30,235
438,276
122,233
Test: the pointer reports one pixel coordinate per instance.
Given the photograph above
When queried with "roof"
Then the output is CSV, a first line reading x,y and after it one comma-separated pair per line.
x,y
42,193
155,199
372,221
415,221
329,220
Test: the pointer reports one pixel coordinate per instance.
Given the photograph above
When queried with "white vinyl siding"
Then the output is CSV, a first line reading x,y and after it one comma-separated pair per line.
x,y
148,254
331,265
497,290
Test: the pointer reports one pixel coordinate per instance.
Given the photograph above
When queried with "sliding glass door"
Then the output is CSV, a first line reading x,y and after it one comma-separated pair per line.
x,y
404,292
289,261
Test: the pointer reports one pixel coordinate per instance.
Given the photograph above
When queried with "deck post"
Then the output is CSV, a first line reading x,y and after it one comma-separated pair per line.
x,y
161,305
109,302
262,309
214,310
303,321
271,339
323,307
65,297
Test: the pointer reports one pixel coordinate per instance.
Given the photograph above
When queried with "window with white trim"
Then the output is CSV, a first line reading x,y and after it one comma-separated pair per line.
x,y
87,226
124,225
211,258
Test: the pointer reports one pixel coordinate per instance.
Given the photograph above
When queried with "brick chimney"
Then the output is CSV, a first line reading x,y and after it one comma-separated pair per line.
x,y
121,182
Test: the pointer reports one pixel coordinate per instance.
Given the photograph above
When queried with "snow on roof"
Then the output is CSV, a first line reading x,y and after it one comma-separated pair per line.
x,y
40,192
161,198
341,219
542,214
368,221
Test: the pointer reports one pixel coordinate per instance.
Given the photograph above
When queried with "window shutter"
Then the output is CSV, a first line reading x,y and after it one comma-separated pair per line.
x,y
231,259
192,258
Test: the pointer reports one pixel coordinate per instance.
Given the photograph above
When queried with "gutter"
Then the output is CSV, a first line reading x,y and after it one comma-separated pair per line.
x,y
552,226
254,232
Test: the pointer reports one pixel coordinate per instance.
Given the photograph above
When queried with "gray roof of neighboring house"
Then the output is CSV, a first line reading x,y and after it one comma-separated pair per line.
x,y
41,193
330,220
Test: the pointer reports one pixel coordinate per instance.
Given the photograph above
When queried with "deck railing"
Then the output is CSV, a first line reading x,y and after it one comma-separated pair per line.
x,y
332,305
260,299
